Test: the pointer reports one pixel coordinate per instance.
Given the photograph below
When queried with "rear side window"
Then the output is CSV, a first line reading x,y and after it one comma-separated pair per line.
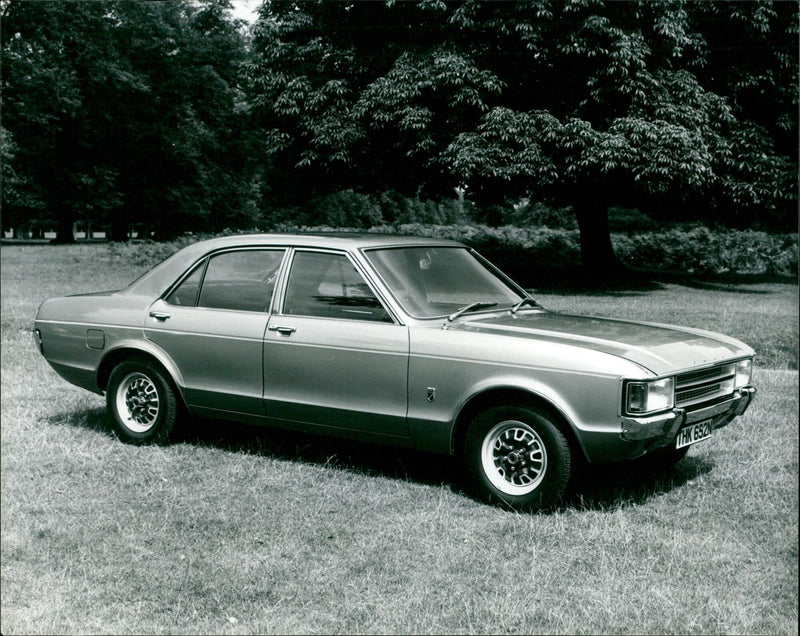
x,y
240,281
185,294
329,286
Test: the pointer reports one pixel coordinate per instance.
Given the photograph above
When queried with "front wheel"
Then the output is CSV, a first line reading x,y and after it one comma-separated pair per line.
x,y
142,402
518,457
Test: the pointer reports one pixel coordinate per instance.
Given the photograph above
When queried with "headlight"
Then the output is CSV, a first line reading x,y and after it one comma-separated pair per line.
x,y
648,397
744,372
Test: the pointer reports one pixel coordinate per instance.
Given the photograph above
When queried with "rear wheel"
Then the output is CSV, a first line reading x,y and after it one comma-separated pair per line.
x,y
515,455
142,402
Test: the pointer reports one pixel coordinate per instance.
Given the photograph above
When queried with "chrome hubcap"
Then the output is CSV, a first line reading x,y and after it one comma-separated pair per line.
x,y
137,402
514,458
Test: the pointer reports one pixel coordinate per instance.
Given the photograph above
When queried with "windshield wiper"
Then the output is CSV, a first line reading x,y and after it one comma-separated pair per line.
x,y
524,301
470,307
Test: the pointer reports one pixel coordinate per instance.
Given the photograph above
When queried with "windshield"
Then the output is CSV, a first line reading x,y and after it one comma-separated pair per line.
x,y
436,282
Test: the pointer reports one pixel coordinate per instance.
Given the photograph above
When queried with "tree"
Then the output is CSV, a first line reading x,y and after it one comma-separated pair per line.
x,y
42,102
332,86
751,56
126,112
20,206
582,103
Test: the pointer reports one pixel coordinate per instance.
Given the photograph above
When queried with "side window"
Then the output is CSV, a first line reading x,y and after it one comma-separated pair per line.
x,y
185,294
329,286
242,281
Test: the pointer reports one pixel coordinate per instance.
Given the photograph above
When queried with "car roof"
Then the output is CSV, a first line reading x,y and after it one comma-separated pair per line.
x,y
156,281
338,240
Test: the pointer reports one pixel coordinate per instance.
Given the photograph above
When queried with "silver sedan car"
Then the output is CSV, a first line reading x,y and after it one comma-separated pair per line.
x,y
408,341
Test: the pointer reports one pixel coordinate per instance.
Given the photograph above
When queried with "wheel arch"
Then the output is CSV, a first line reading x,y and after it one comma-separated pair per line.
x,y
127,352
504,396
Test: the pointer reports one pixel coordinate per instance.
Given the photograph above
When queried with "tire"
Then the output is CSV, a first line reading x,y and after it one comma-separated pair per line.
x,y
142,402
517,457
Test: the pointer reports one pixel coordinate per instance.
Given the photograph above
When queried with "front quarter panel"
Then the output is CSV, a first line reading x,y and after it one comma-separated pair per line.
x,y
455,366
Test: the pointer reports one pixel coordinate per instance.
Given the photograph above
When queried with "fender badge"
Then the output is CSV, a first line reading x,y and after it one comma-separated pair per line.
x,y
431,393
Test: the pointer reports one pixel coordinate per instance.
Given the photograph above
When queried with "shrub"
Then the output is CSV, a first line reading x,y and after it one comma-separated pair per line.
x,y
347,208
361,211
630,220
696,250
147,253
702,251
540,214
290,216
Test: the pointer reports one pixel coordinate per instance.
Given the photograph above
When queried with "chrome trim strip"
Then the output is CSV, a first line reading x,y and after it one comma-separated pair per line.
x,y
278,303
87,324
289,341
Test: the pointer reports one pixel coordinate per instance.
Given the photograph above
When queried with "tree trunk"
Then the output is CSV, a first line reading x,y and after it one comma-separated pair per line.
x,y
119,227
65,228
60,190
597,253
488,201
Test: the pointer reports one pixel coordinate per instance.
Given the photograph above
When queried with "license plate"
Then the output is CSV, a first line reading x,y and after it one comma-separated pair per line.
x,y
693,434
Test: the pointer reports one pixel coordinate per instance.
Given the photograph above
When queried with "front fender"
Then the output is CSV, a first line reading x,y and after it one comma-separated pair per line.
x,y
515,382
587,402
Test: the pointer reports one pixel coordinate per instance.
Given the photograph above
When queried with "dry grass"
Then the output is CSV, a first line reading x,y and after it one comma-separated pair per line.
x,y
242,530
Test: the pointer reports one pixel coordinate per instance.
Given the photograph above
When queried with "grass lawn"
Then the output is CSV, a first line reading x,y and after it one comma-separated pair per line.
x,y
235,529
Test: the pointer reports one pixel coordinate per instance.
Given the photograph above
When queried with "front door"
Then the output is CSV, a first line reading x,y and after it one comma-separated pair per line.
x,y
333,355
212,325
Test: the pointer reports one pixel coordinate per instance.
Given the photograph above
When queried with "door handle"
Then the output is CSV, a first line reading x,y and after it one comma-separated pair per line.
x,y
284,331
160,315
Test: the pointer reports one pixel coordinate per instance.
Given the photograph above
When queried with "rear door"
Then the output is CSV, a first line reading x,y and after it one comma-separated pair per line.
x,y
212,325
333,354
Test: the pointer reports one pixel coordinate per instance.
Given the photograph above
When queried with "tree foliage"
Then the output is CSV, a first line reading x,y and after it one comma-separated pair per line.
x,y
171,117
123,112
580,102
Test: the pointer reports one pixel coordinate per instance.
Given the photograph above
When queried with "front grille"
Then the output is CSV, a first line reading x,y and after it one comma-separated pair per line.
x,y
718,372
693,394
694,387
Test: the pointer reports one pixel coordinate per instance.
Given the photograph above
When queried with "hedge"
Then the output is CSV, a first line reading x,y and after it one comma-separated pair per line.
x,y
696,250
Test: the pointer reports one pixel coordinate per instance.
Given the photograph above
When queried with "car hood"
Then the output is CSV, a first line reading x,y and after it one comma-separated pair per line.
x,y
661,349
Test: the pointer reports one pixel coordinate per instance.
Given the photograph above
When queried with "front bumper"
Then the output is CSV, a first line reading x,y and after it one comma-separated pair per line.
x,y
660,430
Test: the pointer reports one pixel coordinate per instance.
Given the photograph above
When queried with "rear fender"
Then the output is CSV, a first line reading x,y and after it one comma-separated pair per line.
x,y
126,349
